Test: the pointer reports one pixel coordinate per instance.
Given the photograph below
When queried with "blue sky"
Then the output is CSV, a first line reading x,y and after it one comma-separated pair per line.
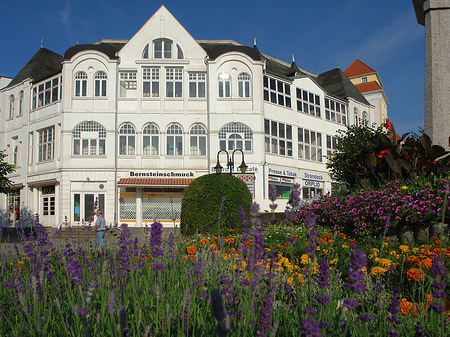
x,y
383,34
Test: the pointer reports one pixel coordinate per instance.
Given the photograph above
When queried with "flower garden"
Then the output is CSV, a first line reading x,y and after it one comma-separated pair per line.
x,y
297,277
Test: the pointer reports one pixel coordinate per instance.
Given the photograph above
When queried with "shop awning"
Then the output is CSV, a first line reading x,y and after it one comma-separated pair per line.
x,y
16,186
42,183
154,182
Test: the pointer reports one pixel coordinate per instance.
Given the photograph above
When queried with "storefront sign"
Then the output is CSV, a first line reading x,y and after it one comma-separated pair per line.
x,y
287,180
313,176
250,169
162,174
285,173
311,183
274,178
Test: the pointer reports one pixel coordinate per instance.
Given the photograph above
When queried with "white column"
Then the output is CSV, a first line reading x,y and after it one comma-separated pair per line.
x,y
138,207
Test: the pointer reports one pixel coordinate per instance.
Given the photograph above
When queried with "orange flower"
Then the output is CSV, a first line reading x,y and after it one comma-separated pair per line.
x,y
191,249
352,241
192,257
215,239
342,235
204,241
413,259
437,242
248,242
321,241
405,306
383,152
426,263
231,230
213,246
327,236
415,274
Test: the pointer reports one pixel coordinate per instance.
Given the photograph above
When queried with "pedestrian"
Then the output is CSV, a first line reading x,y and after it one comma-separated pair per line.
x,y
99,228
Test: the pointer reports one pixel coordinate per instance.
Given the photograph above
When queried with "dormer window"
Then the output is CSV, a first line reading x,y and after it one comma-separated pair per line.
x,y
364,79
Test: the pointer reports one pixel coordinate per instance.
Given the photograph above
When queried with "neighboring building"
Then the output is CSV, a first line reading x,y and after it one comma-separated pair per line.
x,y
368,82
435,16
128,124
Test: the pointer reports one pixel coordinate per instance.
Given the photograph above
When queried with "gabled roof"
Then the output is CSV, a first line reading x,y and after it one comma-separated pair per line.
x,y
368,86
43,64
336,83
109,49
358,68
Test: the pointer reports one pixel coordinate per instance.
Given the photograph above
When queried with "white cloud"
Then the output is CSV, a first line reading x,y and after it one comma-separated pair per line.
x,y
389,40
64,16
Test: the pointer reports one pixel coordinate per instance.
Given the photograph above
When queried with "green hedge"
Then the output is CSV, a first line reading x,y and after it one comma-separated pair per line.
x,y
202,204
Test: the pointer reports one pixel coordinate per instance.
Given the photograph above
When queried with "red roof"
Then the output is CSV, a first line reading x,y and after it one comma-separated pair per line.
x,y
153,182
358,68
368,86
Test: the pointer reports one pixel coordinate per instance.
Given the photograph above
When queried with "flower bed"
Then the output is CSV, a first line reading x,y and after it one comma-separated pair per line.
x,y
258,283
372,211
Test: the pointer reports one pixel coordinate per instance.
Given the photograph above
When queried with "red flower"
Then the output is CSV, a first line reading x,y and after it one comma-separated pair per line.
x,y
383,152
389,125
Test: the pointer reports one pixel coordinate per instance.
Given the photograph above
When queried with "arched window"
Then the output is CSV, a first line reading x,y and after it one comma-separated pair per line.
x,y
21,103
235,136
11,106
89,139
80,84
150,141
198,140
100,84
145,52
174,140
162,49
244,85
365,116
16,156
180,53
224,85
127,140
356,116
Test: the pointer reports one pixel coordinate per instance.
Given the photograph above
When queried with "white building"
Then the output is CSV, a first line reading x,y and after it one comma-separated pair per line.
x,y
130,123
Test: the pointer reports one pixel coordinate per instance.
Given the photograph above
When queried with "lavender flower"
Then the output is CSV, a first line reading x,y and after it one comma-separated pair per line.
x,y
438,271
356,275
112,302
265,315
310,328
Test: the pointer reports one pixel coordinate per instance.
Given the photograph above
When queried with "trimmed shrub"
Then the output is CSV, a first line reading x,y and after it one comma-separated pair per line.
x,y
201,210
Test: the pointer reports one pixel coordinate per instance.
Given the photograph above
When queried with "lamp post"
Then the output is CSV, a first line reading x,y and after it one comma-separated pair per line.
x,y
230,162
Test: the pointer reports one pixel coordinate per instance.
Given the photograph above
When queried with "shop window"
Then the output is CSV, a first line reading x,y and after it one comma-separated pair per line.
x,y
235,136
14,206
281,185
85,206
89,139
312,193
127,140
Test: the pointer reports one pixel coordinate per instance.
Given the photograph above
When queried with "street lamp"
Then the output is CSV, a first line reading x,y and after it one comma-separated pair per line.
x,y
230,162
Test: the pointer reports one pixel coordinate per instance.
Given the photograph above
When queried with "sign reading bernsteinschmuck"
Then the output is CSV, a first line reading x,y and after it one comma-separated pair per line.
x,y
162,174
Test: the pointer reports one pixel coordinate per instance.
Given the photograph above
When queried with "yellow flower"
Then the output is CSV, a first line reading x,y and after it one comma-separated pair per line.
x,y
345,246
385,262
364,269
378,270
374,253
404,248
295,277
305,259
404,187
334,261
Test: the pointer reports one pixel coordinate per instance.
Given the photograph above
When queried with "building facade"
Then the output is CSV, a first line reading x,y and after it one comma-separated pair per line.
x,y
126,125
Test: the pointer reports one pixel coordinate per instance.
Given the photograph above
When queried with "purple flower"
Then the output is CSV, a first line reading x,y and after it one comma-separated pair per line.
x,y
112,302
265,316
438,271
310,328
356,275
219,313
350,303
323,276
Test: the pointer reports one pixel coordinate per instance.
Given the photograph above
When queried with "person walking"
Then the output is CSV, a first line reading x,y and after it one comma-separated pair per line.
x,y
99,228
